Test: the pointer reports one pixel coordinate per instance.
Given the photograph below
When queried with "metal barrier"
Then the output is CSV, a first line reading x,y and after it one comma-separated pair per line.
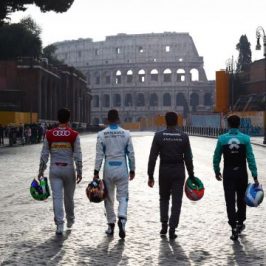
x,y
204,131
214,132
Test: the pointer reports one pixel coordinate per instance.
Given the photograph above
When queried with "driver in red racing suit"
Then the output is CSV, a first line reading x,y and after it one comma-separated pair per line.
x,y
63,144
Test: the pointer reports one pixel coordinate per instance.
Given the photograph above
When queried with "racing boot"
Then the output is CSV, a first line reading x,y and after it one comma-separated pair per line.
x,y
172,234
240,228
110,229
70,223
59,229
164,229
122,227
234,235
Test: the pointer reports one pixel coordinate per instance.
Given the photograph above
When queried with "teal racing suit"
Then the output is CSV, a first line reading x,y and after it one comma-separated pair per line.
x,y
237,151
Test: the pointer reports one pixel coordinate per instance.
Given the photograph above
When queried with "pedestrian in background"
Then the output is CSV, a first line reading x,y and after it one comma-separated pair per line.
x,y
1,135
40,133
63,144
114,146
21,133
27,133
236,150
174,149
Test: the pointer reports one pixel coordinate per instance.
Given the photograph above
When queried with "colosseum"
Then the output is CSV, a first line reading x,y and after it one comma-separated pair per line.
x,y
141,75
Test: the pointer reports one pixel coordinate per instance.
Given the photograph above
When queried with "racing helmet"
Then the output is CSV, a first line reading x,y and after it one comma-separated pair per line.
x,y
254,195
96,190
194,188
39,189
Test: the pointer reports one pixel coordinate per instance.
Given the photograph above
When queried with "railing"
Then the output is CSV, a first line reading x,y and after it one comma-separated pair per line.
x,y
214,132
204,131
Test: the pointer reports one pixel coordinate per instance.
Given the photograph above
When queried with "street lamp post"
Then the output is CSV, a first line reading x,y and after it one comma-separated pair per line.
x,y
230,69
261,33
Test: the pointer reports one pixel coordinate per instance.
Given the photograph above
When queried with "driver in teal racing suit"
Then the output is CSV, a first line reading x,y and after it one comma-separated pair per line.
x,y
236,149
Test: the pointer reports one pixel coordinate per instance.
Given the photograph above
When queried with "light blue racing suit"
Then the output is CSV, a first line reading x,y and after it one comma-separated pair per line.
x,y
114,145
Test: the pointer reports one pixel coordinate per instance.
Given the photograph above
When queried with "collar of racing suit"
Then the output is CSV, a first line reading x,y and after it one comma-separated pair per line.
x,y
62,126
233,131
113,126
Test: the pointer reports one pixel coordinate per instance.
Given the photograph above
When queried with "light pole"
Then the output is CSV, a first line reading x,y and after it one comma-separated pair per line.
x,y
231,71
261,33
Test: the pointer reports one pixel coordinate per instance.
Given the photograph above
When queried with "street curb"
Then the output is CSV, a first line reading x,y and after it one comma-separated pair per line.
x,y
262,145
215,137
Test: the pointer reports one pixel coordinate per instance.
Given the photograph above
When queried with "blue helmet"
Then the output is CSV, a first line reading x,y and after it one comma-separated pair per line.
x,y
254,195
39,190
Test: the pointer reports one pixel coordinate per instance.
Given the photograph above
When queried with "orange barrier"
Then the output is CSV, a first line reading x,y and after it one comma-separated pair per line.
x,y
131,126
17,118
150,123
222,92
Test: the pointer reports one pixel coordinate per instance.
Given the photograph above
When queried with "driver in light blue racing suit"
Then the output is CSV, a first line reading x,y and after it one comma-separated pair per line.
x,y
114,145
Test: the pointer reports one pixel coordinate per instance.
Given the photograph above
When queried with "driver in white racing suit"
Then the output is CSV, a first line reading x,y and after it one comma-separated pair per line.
x,y
114,145
63,144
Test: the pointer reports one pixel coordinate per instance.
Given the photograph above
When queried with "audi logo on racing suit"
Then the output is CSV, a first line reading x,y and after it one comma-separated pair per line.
x,y
61,133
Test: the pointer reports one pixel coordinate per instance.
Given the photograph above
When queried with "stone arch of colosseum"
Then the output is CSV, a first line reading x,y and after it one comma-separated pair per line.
x,y
141,75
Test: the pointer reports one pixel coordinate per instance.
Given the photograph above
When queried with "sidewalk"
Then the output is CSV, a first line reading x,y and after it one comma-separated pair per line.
x,y
6,143
257,141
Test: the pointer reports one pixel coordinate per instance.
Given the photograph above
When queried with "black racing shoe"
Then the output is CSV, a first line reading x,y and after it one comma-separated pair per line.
x,y
164,229
172,234
234,235
110,229
240,228
122,227
59,229
70,223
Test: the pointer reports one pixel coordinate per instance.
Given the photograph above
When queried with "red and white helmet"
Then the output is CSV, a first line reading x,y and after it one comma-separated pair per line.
x,y
96,190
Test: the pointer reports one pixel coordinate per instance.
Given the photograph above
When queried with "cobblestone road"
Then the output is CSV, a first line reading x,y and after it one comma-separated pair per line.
x,y
27,229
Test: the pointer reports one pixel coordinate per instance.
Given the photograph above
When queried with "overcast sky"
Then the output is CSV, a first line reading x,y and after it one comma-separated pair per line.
x,y
215,26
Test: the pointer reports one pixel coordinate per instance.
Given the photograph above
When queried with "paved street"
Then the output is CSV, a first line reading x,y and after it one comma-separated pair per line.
x,y
27,229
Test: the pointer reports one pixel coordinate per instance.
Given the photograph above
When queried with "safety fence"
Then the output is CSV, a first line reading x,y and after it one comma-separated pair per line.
x,y
204,131
214,132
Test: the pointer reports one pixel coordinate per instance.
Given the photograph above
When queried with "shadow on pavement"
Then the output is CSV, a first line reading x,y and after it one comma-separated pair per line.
x,y
49,252
244,253
199,256
171,253
105,253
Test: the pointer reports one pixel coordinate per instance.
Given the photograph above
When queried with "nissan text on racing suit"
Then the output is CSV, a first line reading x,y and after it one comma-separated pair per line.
x,y
174,149
114,146
63,144
236,149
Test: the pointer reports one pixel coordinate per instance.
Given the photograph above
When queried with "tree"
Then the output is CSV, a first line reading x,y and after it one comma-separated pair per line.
x,y
244,57
49,53
10,6
31,25
20,40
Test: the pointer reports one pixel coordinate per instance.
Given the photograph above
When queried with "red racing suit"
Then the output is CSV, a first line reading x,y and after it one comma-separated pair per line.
x,y
64,146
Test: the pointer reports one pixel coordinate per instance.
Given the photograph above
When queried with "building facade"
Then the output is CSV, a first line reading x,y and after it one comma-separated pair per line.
x,y
248,88
33,86
141,75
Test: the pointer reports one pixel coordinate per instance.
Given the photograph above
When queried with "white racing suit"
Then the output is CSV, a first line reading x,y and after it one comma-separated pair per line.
x,y
114,145
64,146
